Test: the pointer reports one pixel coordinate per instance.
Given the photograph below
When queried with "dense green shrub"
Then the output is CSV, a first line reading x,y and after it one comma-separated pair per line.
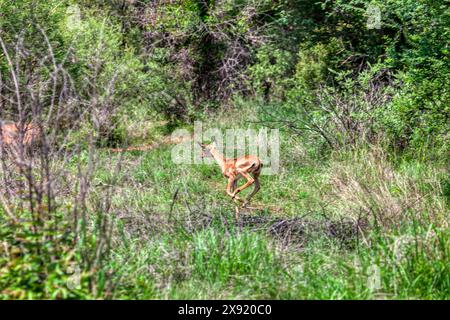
x,y
39,261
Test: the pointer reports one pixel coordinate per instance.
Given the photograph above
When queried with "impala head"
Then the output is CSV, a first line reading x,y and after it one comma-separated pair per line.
x,y
206,149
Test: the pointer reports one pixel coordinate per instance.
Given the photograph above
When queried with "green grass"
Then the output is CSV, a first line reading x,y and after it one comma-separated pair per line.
x,y
214,263
222,260
189,246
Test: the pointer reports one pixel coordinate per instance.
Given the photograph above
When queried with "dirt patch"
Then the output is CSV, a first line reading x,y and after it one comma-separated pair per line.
x,y
295,232
299,230
145,147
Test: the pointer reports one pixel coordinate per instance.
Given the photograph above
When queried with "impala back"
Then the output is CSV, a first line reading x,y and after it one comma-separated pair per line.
x,y
11,135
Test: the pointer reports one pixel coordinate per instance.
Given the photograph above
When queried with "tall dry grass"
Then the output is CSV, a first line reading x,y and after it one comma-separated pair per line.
x,y
365,184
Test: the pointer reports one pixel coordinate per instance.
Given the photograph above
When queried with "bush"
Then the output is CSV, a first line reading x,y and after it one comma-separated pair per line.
x,y
38,261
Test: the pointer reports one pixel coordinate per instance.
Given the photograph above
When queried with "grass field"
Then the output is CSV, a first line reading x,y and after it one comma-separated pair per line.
x,y
354,225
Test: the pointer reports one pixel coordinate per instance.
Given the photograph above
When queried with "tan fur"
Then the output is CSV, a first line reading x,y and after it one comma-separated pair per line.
x,y
10,134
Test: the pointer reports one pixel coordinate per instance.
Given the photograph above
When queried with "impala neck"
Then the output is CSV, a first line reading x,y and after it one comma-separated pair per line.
x,y
220,159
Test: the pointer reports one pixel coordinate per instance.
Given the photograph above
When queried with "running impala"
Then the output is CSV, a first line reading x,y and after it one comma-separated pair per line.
x,y
248,167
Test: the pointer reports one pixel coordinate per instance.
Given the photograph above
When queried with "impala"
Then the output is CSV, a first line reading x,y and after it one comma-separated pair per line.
x,y
11,133
248,167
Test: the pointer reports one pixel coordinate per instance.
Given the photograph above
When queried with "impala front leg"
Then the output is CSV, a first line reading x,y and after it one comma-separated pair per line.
x,y
230,191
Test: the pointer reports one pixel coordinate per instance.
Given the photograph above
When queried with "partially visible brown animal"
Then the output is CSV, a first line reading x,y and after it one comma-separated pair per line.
x,y
12,133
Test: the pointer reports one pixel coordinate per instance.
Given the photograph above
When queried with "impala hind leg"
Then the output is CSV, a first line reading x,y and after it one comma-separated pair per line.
x,y
255,190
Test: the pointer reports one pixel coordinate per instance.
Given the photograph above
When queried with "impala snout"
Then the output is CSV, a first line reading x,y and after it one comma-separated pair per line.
x,y
205,151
